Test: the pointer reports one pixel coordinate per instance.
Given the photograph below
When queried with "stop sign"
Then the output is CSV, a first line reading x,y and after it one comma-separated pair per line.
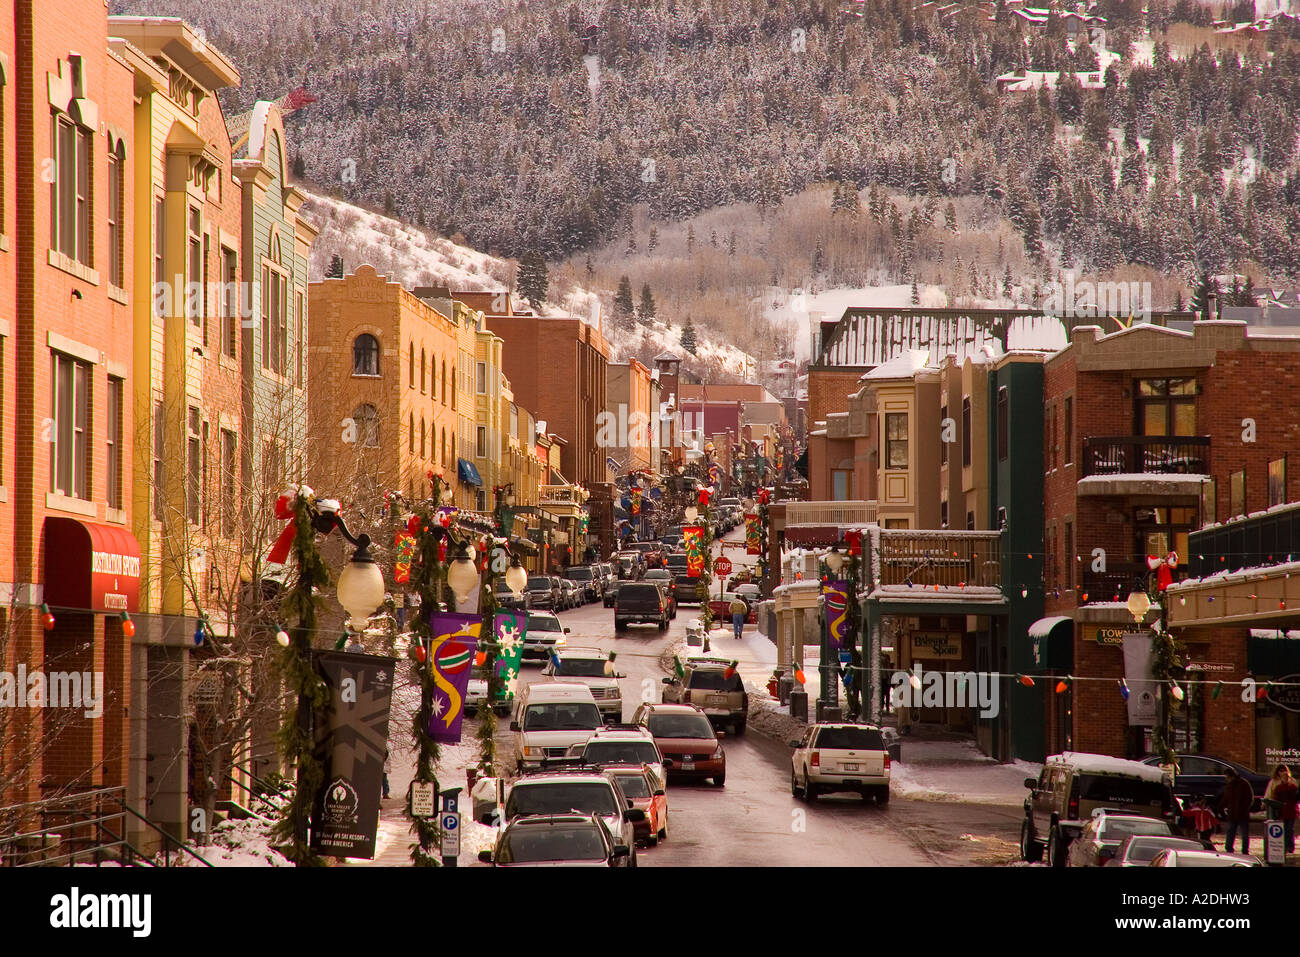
x,y
723,565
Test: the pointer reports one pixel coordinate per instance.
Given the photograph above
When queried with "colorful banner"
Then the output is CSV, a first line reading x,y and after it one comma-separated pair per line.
x,y
715,474
405,552
693,542
836,596
753,540
455,638
509,629
352,740
636,502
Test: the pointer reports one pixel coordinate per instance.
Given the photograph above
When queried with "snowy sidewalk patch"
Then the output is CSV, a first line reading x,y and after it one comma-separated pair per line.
x,y
957,771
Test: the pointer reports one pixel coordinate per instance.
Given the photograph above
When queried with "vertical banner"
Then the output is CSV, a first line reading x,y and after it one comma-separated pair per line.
x,y
693,542
405,552
753,541
351,739
836,596
455,639
510,628
1139,660
636,502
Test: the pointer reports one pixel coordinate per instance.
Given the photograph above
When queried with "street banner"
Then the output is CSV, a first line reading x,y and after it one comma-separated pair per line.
x,y
509,628
455,639
636,502
351,739
836,596
693,542
1139,660
405,553
753,540
715,474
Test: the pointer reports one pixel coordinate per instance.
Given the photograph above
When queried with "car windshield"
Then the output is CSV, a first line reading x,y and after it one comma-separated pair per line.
x,y
1115,791
621,752
578,574
539,584
544,623
1144,850
554,842
643,592
634,785
562,716
658,574
715,681
1117,828
581,667
562,797
681,726
851,739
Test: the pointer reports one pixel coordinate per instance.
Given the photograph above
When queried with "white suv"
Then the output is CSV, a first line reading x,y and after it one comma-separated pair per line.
x,y
623,744
840,757
577,791
587,666
551,716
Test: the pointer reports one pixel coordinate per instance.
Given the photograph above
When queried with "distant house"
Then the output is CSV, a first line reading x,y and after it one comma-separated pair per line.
x,y
1028,81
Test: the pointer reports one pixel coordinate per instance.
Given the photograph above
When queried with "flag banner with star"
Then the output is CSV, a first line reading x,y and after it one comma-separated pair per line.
x,y
351,740
836,596
693,542
510,629
405,552
753,542
455,638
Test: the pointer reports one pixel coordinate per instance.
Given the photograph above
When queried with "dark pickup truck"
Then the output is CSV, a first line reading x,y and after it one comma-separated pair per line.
x,y
640,601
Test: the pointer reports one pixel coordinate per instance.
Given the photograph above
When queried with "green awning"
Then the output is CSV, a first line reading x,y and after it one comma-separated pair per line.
x,y
1051,643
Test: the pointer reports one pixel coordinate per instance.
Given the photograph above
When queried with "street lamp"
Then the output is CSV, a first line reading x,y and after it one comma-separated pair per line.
x,y
361,585
834,561
691,513
516,576
1138,605
462,576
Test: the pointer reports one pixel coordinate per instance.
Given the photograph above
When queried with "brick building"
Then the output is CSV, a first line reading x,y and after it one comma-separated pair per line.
x,y
631,434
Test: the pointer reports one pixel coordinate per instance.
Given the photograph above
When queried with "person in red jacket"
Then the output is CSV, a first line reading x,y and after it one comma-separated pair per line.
x,y
1203,820
1282,795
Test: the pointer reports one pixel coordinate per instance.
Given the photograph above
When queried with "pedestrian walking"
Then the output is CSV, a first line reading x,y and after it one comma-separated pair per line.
x,y
388,766
401,611
738,610
1204,822
1237,800
1280,798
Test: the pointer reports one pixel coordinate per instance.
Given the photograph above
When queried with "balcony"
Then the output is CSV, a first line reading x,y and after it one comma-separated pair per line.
x,y
1116,582
1144,465
830,513
956,560
1268,538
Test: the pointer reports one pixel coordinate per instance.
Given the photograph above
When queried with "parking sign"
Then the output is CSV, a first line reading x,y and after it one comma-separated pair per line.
x,y
450,834
1274,848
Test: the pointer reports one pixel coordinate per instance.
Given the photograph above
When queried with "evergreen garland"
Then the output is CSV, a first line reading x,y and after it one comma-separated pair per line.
x,y
1166,653
428,577
487,717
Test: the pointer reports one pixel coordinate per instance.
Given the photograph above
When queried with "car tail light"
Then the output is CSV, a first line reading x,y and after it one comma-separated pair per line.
x,y
886,760
1074,808
816,760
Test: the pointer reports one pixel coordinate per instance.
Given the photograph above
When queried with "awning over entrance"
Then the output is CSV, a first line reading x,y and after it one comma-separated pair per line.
x,y
468,473
91,566
1052,642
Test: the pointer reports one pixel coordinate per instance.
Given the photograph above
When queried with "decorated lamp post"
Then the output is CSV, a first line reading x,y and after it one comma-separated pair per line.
x,y
1165,652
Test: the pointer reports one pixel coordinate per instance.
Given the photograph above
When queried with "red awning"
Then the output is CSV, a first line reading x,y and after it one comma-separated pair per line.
x,y
91,566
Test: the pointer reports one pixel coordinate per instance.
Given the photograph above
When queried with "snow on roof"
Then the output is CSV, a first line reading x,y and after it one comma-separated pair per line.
x,y
1271,510
1156,478
902,366
1292,635
1043,626
922,593
1106,764
1236,574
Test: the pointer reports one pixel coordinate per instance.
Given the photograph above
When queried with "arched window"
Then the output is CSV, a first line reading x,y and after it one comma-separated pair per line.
x,y
444,381
442,449
453,387
410,442
365,355
412,364
367,421
422,370
423,446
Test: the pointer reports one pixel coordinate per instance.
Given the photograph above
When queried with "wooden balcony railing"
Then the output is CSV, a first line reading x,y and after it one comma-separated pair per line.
x,y
945,558
830,513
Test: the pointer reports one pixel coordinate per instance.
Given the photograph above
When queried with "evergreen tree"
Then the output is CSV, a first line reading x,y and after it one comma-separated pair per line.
x,y
531,278
688,337
590,269
1006,282
1205,284
299,168
690,238
624,308
336,268
713,238
819,259
653,242
950,218
731,243
390,207
647,310
916,293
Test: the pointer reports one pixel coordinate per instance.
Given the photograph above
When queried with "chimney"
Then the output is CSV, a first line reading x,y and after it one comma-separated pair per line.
x,y
1212,302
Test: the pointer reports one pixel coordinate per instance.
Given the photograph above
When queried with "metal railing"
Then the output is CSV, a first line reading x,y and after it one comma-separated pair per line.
x,y
830,513
1146,455
1269,539
947,558
1116,582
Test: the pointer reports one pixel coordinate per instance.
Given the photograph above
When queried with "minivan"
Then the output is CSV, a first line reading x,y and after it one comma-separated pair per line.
x,y
549,717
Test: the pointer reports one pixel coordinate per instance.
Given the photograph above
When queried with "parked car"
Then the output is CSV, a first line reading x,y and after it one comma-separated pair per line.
x,y
686,590
707,685
556,840
1139,850
644,791
551,716
587,666
1101,837
610,573
721,608
611,594
477,690
640,602
1072,785
630,565
1177,857
544,592
750,592
586,579
581,791
840,757
652,553
686,739
573,597
506,598
544,633
621,744
664,579
1204,774
676,563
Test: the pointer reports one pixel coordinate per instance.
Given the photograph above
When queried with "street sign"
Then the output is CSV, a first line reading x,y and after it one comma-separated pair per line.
x,y
450,834
1274,846
722,565
421,799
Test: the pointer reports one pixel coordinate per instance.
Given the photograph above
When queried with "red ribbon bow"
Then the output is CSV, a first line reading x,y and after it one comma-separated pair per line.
x,y
284,512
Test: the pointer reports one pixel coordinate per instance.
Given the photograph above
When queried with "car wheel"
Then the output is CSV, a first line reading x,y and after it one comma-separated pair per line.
x,y
719,780
1030,849
811,791
663,831
663,626
652,840
1056,849
740,728
882,795
794,786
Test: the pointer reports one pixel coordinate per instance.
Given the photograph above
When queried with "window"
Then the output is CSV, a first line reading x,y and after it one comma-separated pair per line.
x,y
423,439
1277,482
480,376
454,387
159,245
205,497
841,485
410,433
1237,494
1209,502
1161,530
266,317
159,448
229,472
1056,448
1049,556
444,381
1067,427
193,453
113,484
970,521
194,292
70,195
69,452
1067,554
411,364
896,523
943,514
943,441
480,445
965,431
116,218
1004,422
365,355
1166,406
282,323
367,422
229,301
299,338
443,459
895,440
